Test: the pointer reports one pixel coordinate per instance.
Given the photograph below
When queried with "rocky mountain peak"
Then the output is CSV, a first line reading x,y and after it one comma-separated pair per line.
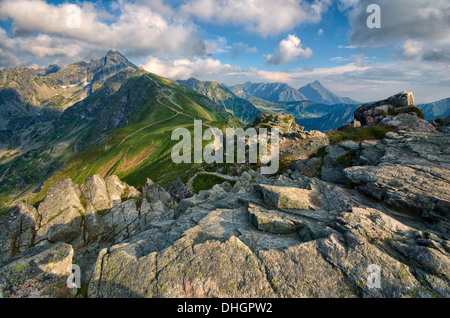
x,y
115,58
316,84
316,92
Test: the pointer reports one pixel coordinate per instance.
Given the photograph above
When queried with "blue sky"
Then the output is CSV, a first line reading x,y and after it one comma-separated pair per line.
x,y
234,41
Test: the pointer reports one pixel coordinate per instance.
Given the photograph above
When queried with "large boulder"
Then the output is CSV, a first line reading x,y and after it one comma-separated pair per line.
x,y
270,221
398,111
17,229
372,114
179,191
407,121
61,213
303,144
337,158
40,272
412,175
419,189
97,202
289,197
155,193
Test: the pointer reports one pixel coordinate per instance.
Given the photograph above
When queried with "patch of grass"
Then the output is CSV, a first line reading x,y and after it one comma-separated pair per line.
x,y
346,160
321,153
206,182
3,211
285,162
349,185
419,113
359,134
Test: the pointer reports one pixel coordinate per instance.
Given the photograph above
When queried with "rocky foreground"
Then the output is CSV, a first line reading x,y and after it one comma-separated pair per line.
x,y
300,234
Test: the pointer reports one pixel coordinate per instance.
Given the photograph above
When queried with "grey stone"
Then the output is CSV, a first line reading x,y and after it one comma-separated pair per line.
x,y
307,167
39,273
289,197
270,221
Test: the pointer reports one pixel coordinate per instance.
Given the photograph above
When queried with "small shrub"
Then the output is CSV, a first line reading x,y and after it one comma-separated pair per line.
x,y
207,182
321,153
3,211
419,113
285,163
346,160
359,134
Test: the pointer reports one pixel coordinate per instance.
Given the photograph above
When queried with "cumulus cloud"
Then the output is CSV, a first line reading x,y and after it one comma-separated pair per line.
x,y
7,45
423,51
344,5
439,55
420,29
381,80
264,17
184,69
400,20
289,50
143,27
412,48
219,45
138,29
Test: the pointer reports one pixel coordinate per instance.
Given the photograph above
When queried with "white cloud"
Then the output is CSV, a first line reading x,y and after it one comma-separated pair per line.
x,y
288,50
7,45
216,46
347,4
45,46
412,48
349,47
400,20
261,16
184,69
137,29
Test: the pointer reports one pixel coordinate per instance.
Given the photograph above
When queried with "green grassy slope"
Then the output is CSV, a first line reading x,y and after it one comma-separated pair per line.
x,y
142,149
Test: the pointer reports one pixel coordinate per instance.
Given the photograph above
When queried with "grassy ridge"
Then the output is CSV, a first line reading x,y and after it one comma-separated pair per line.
x,y
143,149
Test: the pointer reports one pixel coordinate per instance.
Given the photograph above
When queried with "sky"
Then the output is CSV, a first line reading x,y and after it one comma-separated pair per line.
x,y
235,41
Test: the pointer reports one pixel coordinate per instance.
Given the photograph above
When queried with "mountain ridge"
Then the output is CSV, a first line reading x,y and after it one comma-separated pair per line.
x,y
103,132
222,95
282,92
436,109
316,92
274,92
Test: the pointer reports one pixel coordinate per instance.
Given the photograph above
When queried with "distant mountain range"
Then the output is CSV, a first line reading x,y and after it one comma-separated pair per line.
x,y
316,92
311,115
280,92
274,92
247,100
222,95
437,109
313,105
